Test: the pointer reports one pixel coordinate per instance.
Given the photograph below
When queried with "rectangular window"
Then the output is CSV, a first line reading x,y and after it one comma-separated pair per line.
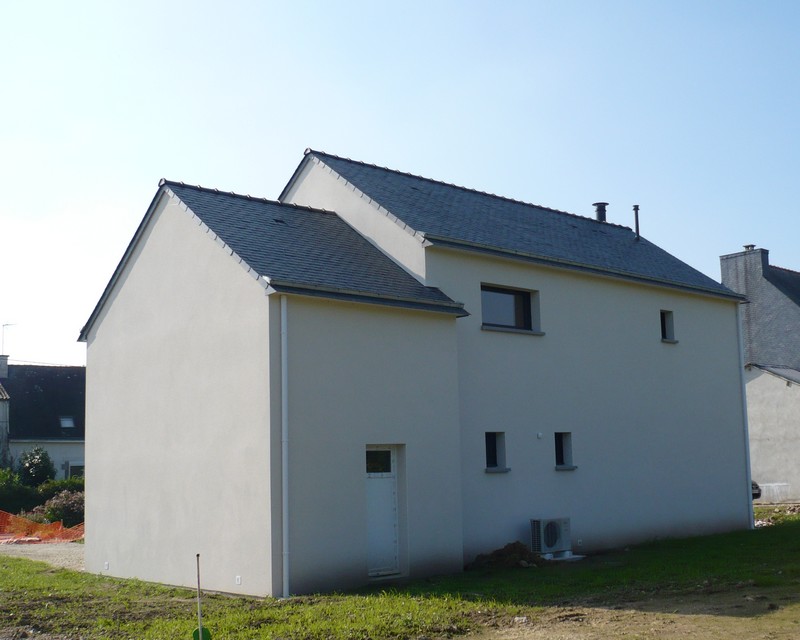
x,y
67,422
564,450
667,326
379,461
495,451
509,308
75,469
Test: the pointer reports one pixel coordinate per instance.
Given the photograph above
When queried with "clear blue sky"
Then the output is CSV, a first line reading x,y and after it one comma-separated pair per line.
x,y
687,108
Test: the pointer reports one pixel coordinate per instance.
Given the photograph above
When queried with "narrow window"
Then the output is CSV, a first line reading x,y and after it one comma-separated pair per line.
x,y
495,450
564,450
509,308
667,326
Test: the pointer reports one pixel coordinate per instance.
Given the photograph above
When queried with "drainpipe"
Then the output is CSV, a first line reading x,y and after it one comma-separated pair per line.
x,y
285,445
744,415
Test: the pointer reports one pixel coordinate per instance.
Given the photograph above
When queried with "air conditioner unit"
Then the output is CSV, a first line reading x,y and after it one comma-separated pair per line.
x,y
550,537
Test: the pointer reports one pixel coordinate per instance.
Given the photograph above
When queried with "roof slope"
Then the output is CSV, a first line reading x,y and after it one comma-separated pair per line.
x,y
303,249
786,280
40,396
786,373
448,214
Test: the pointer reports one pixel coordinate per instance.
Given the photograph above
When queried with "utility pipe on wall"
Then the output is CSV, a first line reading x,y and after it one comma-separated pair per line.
x,y
285,445
744,414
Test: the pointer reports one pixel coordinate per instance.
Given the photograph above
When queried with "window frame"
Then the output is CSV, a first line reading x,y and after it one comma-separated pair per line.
x,y
526,310
667,318
495,452
563,451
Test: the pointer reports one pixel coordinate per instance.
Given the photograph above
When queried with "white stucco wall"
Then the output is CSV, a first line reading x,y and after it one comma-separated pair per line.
x,y
657,429
364,375
318,187
177,447
773,408
62,452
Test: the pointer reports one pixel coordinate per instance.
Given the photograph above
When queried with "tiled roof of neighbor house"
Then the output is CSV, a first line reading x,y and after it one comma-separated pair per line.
x,y
40,396
786,280
306,250
449,214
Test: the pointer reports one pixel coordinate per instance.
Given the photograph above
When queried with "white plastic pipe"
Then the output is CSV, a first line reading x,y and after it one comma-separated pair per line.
x,y
744,412
285,445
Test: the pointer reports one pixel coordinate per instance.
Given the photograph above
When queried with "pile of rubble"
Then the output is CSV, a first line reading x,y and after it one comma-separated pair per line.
x,y
514,554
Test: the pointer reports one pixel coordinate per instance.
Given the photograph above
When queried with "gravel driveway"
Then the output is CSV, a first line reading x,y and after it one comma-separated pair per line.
x,y
60,554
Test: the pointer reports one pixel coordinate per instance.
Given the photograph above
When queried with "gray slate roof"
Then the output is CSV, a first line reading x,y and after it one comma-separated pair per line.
x,y
448,214
40,395
792,375
307,250
771,317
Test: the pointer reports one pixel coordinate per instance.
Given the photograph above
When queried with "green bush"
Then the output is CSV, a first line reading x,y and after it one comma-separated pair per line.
x,y
8,479
66,506
18,498
35,467
50,488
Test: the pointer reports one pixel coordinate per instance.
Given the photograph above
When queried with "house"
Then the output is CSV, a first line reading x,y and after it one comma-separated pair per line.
x,y
771,336
381,375
5,453
44,407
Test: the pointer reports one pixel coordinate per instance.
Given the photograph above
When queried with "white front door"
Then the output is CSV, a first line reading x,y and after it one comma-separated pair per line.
x,y
382,538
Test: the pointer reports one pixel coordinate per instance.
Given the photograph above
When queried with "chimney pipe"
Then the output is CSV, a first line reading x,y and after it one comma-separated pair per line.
x,y
749,247
3,366
600,210
636,219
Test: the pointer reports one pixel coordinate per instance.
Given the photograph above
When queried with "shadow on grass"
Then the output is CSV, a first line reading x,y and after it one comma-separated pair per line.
x,y
743,573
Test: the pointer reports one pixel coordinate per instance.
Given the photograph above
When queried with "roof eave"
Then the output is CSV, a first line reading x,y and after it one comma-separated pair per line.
x,y
576,266
157,198
288,287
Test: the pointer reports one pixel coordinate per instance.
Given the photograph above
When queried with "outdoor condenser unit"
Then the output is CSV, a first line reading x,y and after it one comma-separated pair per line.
x,y
551,536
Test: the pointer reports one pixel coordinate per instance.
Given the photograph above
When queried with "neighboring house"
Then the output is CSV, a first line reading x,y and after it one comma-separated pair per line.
x,y
45,408
771,335
5,453
313,399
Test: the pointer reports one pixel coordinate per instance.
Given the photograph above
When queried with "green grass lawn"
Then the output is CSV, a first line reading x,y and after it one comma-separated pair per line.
x,y
36,596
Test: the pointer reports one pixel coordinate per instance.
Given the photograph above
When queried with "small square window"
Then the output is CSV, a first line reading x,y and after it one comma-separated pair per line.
x,y
667,326
379,461
495,451
76,470
509,308
67,422
564,450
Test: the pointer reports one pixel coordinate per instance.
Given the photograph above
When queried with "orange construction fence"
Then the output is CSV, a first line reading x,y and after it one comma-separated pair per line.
x,y
15,529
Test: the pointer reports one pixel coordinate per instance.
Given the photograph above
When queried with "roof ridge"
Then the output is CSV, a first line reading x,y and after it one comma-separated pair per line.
x,y
797,273
198,187
309,150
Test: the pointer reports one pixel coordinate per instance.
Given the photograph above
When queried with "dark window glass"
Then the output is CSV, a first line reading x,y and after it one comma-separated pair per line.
x,y
491,450
379,461
560,449
506,308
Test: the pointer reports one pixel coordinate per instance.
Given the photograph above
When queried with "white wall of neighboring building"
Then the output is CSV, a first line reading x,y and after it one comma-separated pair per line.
x,y
658,432
773,408
177,412
362,375
63,453
318,187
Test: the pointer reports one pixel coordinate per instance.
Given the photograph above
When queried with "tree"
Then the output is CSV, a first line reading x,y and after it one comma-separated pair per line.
x,y
35,466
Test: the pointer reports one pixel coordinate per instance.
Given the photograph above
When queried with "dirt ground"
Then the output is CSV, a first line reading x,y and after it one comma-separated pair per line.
x,y
746,613
722,616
